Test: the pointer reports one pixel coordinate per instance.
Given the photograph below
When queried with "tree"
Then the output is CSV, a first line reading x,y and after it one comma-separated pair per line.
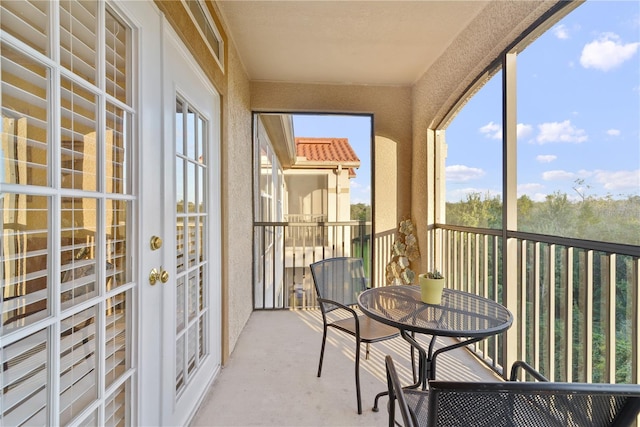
x,y
360,212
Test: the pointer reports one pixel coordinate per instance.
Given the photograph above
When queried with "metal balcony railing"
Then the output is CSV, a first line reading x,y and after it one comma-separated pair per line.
x,y
577,311
284,250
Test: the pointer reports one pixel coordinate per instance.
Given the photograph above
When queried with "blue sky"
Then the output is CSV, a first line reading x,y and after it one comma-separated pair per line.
x,y
578,115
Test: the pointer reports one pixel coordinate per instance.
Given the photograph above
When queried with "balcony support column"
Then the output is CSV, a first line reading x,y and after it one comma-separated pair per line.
x,y
509,209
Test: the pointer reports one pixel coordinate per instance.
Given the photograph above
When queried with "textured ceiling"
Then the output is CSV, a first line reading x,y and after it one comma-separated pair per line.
x,y
344,42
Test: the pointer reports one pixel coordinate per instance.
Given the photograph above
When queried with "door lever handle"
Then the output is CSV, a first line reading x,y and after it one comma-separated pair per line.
x,y
155,275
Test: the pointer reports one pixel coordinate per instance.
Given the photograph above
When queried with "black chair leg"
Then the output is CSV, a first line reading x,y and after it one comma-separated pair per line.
x,y
375,401
324,340
358,376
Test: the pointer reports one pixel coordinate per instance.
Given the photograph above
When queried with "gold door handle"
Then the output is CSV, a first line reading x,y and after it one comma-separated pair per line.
x,y
155,275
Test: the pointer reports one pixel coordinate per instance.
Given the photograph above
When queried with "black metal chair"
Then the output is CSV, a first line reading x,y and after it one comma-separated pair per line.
x,y
513,403
338,282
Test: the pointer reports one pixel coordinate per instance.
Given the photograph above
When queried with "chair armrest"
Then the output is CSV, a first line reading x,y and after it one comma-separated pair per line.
x,y
527,368
339,305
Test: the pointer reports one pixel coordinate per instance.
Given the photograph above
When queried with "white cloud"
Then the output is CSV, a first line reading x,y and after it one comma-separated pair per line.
x,y
557,175
607,53
561,32
560,132
355,184
492,130
619,180
613,132
524,131
461,173
546,158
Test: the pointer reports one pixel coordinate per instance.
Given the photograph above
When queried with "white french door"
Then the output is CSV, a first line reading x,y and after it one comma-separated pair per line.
x,y
191,295
68,258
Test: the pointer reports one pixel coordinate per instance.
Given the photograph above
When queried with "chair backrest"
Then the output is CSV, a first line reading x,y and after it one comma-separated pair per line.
x,y
517,403
396,393
339,279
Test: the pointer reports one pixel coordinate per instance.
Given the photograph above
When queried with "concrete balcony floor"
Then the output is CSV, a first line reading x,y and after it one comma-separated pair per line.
x,y
270,379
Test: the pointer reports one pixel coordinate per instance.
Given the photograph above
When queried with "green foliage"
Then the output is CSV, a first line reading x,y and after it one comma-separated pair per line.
x,y
476,211
435,274
360,212
589,218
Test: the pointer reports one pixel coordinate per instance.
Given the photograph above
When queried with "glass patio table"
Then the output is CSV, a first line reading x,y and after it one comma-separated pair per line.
x,y
468,317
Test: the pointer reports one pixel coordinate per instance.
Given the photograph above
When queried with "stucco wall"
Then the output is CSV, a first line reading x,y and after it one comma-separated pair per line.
x,y
386,184
237,204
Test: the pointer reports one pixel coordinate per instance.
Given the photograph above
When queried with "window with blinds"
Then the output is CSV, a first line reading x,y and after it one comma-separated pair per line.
x,y
66,204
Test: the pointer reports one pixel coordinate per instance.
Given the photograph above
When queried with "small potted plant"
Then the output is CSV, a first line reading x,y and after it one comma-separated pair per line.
x,y
431,285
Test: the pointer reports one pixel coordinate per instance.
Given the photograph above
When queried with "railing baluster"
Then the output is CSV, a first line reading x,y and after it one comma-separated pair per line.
x,y
588,321
568,319
635,320
523,299
551,311
610,324
264,268
495,354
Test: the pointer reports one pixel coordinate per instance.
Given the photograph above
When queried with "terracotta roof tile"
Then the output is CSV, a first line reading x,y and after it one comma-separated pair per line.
x,y
326,149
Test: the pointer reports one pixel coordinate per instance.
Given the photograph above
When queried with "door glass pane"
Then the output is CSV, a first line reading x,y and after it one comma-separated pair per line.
x,y
201,231
192,243
201,341
24,378
193,346
28,21
79,150
180,363
24,258
180,202
115,410
115,57
78,37
191,187
117,150
117,269
25,138
200,139
191,134
116,360
180,245
179,127
78,380
193,295
180,304
78,255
